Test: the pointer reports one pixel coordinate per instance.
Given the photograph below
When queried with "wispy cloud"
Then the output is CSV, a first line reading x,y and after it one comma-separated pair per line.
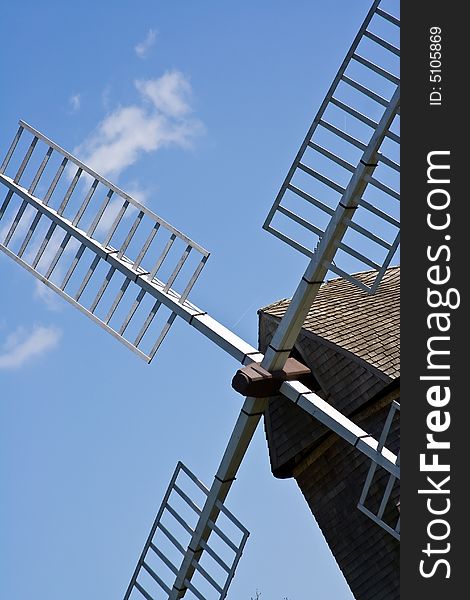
x,y
22,345
75,102
170,93
143,47
161,118
48,296
106,97
134,189
21,227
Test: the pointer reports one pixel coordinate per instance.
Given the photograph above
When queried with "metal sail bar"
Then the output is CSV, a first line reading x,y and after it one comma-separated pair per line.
x,y
333,151
42,211
108,255
245,427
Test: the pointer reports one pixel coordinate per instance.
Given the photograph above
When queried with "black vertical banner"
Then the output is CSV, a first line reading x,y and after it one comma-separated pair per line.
x,y
435,159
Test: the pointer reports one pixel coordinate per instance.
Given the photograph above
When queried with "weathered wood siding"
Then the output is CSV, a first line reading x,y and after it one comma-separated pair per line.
x,y
346,382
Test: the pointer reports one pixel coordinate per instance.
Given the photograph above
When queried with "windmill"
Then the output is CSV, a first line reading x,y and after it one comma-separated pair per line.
x,y
131,272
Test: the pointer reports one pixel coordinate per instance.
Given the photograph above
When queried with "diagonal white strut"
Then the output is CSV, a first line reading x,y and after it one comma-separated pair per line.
x,y
277,354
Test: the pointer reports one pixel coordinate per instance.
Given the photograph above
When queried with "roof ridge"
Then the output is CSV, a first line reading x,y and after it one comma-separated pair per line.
x,y
368,325
392,268
325,284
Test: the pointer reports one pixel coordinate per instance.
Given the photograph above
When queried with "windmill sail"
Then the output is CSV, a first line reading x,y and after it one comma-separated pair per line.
x,y
389,481
170,534
332,151
96,246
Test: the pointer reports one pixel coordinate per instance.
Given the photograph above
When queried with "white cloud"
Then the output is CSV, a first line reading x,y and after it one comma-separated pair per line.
x,y
169,93
22,345
161,119
106,97
111,212
143,47
139,193
75,102
119,138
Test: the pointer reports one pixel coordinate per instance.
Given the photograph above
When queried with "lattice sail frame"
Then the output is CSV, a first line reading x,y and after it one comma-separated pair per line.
x,y
331,153
50,220
170,528
378,515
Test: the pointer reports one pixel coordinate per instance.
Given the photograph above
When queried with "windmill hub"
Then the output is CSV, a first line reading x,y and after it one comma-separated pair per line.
x,y
257,382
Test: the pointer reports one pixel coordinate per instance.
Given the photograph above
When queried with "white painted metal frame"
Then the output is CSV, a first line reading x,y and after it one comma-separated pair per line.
x,y
134,275
290,325
160,531
326,174
117,259
392,478
245,427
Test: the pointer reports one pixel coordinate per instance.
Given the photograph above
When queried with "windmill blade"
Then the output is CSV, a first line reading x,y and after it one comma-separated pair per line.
x,y
390,482
93,244
105,253
166,545
315,406
291,323
333,152
245,427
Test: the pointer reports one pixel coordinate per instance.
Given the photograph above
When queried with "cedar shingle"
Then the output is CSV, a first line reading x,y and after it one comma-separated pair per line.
x,y
367,325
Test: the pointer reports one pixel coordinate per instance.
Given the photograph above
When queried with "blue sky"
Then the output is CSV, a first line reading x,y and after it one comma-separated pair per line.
x,y
197,109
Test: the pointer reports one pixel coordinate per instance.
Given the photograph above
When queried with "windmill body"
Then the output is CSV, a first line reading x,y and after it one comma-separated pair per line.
x,y
351,342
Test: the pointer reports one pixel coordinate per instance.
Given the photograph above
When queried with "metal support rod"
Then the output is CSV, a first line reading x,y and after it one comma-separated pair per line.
x,y
199,319
240,439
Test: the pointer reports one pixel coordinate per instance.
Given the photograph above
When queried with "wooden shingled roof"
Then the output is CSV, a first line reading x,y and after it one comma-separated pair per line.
x,y
367,325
